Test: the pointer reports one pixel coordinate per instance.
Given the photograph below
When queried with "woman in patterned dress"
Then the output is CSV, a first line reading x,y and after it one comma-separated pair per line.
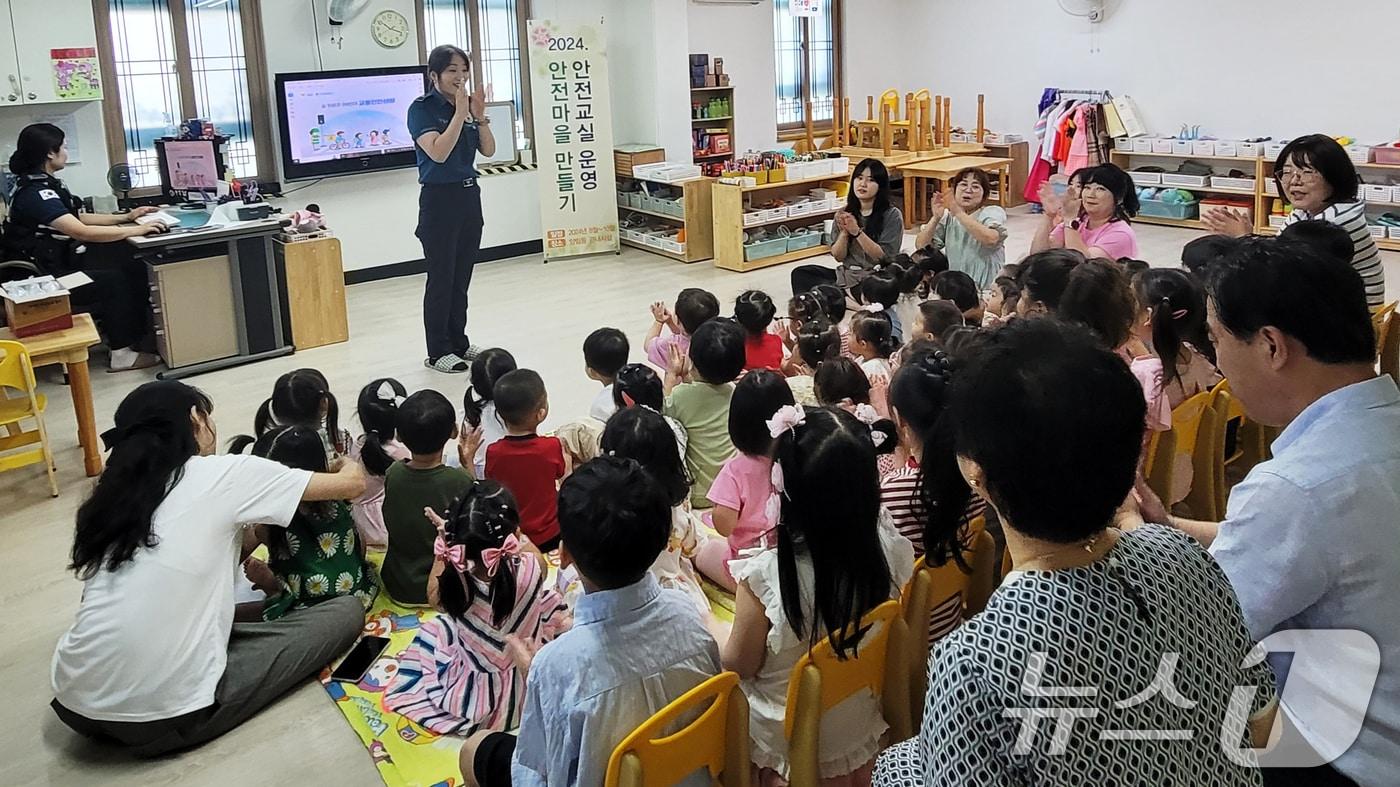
x,y
1105,657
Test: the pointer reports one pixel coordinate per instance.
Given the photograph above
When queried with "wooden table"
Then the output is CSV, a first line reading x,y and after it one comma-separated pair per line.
x,y
69,347
916,201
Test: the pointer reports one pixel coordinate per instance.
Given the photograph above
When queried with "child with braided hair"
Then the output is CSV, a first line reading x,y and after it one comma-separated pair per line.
x,y
458,676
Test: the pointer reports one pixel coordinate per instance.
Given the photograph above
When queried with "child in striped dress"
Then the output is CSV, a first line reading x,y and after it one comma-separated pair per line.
x,y
457,677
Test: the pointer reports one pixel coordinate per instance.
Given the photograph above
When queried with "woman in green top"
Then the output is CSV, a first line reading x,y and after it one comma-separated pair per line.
x,y
318,556
972,234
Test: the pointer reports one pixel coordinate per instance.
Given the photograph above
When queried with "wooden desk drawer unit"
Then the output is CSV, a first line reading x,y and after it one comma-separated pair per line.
x,y
315,291
194,311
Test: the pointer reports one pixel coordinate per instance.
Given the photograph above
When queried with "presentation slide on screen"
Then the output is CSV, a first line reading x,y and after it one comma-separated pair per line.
x,y
350,117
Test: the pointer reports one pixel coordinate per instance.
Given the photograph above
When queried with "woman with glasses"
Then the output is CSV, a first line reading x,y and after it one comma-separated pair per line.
x,y
1315,175
1096,221
970,232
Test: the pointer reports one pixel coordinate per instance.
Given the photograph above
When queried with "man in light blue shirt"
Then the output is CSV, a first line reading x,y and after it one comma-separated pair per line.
x,y
1311,538
634,646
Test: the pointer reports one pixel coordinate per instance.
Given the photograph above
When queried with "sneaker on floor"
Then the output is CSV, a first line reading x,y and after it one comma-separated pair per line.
x,y
447,364
129,360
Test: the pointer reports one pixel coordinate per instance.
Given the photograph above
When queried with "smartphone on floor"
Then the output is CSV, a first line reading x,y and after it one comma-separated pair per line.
x,y
360,658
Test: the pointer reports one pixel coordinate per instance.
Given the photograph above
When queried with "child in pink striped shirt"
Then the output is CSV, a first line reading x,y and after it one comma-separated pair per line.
x,y
457,676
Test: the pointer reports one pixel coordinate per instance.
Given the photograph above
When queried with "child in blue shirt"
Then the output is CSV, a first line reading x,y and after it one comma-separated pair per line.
x,y
591,687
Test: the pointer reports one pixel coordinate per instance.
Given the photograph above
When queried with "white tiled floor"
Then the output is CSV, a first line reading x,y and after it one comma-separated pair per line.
x,y
540,312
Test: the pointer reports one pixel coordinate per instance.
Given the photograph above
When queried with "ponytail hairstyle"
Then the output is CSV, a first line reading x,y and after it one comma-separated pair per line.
x,y
298,398
817,342
377,406
642,435
833,300
755,311
484,518
1177,304
829,493
757,396
488,367
151,440
840,379
300,448
804,307
918,397
882,287
638,385
875,329
36,143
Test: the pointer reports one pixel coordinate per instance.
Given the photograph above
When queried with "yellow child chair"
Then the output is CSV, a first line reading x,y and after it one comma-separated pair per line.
x,y
718,740
930,588
1387,327
1207,460
17,374
1160,471
820,681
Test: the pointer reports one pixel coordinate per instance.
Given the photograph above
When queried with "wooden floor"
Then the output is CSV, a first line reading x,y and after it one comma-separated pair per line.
x,y
540,312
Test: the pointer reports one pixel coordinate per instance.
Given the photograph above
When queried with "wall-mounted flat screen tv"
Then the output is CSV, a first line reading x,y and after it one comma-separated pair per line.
x,y
344,122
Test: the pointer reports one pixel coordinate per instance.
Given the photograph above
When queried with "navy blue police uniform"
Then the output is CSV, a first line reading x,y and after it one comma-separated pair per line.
x,y
449,224
119,296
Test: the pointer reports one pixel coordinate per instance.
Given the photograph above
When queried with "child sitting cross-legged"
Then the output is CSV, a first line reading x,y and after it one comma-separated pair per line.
x,y
638,385
873,342
702,405
642,434
837,558
456,677
424,422
376,449
634,646
817,342
604,354
527,464
317,556
694,307
743,496
754,310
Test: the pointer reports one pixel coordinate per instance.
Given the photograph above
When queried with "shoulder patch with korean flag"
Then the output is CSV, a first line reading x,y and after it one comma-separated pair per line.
x,y
48,194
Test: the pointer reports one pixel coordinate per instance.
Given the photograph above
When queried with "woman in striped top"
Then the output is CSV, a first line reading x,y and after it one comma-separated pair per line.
x,y
928,499
1316,176
457,677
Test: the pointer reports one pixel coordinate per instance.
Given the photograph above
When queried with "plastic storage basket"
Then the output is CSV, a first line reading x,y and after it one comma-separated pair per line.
x,y
1170,210
765,248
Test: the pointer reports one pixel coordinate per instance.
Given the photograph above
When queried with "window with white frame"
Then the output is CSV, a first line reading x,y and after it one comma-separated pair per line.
x,y
807,59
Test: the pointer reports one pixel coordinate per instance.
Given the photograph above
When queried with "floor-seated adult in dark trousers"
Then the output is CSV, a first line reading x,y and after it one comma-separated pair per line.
x,y
154,662
1311,538
867,230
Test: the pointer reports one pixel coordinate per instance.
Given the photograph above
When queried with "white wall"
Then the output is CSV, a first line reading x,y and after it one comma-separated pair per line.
x,y
85,179
1238,68
743,36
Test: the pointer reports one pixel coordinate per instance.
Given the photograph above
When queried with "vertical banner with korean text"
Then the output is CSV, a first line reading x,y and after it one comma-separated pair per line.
x,y
573,137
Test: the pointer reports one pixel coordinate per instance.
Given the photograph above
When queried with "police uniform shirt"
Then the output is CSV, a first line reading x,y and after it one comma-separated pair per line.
x,y
433,112
40,200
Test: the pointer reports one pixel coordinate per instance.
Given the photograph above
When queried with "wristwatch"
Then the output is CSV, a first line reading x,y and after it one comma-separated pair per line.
x,y
1074,225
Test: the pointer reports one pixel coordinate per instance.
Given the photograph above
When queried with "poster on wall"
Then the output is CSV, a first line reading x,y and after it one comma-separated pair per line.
x,y
573,130
805,7
75,73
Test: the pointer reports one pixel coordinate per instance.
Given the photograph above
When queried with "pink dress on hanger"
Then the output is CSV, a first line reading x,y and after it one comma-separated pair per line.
x,y
1078,157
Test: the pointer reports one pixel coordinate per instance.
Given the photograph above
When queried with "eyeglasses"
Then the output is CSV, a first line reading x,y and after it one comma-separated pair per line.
x,y
1303,175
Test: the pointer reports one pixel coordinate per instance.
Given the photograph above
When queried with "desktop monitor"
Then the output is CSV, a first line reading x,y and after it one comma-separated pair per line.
x,y
190,166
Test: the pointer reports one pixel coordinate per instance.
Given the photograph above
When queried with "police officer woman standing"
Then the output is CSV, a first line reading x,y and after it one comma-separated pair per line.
x,y
42,208
449,125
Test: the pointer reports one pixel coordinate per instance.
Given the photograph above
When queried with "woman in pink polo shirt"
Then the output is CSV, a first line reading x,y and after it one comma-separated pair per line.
x,y
1097,220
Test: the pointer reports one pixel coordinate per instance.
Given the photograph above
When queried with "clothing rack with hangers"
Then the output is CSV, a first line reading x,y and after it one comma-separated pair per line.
x,y
1096,96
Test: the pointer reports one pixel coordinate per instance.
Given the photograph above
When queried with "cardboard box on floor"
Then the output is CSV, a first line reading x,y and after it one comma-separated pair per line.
x,y
40,304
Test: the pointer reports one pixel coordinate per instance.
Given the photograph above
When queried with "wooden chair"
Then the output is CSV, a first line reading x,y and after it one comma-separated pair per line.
x,y
717,740
1387,327
1207,461
820,681
932,587
17,374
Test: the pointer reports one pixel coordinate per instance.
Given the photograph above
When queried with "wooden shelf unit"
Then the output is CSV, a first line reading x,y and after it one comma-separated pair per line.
x,y
1019,153
729,224
1257,164
698,226
702,96
1386,244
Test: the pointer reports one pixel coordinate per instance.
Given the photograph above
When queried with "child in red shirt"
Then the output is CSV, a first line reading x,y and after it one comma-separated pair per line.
x,y
762,350
528,465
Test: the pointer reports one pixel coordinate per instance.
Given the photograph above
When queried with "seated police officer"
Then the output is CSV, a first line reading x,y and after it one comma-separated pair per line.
x,y
42,211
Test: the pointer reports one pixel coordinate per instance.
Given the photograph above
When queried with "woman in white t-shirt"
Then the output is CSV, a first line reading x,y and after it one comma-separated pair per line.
x,y
154,661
